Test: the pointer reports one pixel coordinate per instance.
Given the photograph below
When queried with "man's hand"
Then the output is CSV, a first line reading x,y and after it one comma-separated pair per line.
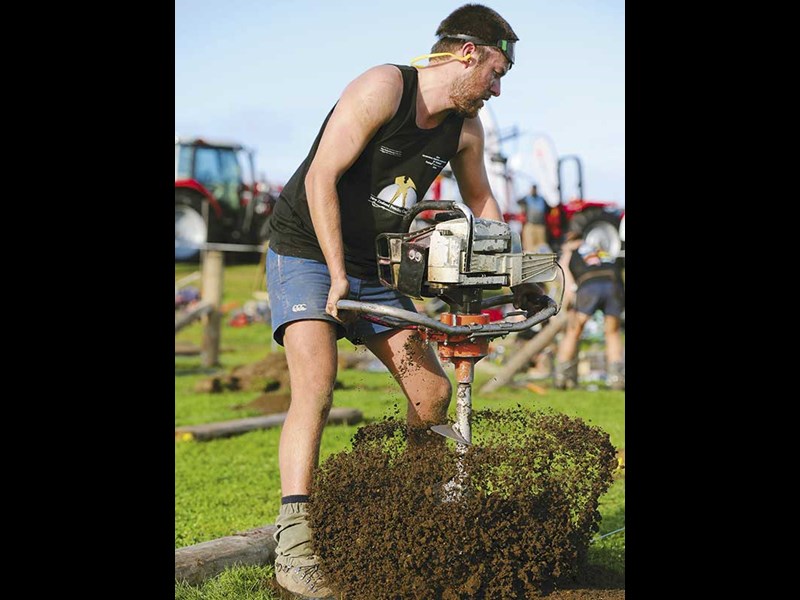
x,y
529,297
340,289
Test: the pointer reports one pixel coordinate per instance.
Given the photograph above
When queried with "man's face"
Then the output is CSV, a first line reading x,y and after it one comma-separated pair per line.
x,y
479,83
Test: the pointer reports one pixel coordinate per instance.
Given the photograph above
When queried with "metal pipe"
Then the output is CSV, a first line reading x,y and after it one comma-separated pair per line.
x,y
405,317
464,411
465,373
497,300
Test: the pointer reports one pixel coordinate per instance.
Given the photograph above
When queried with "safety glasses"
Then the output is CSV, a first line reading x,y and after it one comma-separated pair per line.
x,y
505,46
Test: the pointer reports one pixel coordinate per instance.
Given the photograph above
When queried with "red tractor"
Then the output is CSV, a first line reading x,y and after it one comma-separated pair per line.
x,y
218,198
598,221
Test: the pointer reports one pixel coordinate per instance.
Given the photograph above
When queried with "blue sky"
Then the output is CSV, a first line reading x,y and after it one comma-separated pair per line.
x,y
266,72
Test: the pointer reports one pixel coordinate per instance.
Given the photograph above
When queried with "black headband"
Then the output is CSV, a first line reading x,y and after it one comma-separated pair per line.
x,y
505,46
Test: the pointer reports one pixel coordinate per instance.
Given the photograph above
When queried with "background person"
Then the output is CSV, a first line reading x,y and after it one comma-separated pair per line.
x,y
534,230
595,277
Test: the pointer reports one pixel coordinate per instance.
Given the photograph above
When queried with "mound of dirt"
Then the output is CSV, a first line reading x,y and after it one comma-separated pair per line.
x,y
573,594
269,404
270,374
391,522
266,375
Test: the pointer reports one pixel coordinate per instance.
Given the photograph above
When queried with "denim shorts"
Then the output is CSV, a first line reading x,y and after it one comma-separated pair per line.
x,y
298,290
600,294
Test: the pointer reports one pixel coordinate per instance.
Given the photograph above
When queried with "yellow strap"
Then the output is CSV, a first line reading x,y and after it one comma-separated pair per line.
x,y
464,58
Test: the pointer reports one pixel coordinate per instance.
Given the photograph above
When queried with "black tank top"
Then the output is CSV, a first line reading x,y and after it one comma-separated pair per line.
x,y
587,263
394,171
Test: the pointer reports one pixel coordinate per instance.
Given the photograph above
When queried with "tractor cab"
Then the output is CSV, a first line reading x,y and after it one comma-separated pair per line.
x,y
218,197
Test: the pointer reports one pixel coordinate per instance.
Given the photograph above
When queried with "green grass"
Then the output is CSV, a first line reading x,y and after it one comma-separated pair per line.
x,y
233,584
230,485
227,485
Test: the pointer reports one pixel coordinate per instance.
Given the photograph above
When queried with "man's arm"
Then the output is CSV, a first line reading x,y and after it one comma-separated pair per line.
x,y
473,184
367,102
570,287
469,169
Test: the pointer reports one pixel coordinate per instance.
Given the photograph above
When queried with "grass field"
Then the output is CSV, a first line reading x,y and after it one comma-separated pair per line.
x,y
231,485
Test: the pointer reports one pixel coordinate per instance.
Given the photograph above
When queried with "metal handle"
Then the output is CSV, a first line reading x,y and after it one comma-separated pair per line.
x,y
497,300
398,317
444,205
434,205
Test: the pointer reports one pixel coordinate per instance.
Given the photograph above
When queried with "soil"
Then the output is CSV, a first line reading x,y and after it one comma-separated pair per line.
x,y
270,376
566,594
387,526
269,404
266,375
521,529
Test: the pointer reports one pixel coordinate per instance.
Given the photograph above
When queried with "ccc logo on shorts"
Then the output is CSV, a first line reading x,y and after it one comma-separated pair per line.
x,y
299,308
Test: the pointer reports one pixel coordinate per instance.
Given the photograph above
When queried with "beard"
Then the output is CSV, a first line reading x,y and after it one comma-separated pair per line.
x,y
467,96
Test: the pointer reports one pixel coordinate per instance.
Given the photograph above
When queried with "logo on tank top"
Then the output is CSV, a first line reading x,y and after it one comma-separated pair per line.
x,y
594,256
391,151
397,197
435,162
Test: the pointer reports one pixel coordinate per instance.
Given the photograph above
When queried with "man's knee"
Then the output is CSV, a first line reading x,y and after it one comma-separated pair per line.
x,y
314,396
432,401
444,392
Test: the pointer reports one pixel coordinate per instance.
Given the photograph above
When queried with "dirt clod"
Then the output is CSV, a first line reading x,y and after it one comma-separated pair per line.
x,y
414,349
511,518
271,374
266,375
269,404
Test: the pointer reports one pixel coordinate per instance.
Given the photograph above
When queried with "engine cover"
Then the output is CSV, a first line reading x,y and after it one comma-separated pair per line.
x,y
456,253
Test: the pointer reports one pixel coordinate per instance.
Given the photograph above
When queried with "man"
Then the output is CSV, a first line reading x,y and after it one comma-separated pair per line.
x,y
380,148
595,277
534,231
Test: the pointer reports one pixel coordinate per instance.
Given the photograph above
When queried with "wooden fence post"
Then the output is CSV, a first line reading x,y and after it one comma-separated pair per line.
x,y
213,267
194,564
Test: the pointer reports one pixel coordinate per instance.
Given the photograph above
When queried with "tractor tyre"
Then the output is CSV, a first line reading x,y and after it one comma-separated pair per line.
x,y
191,231
599,227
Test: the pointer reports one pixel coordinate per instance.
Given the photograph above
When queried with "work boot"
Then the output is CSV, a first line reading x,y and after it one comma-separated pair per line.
x,y
566,375
616,376
296,565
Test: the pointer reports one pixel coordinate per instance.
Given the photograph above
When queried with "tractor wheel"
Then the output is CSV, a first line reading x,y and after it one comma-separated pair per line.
x,y
599,227
190,226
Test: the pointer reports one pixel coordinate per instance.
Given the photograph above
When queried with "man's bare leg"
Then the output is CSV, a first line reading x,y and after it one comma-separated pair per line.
x,y
615,370
312,357
416,367
567,365
613,339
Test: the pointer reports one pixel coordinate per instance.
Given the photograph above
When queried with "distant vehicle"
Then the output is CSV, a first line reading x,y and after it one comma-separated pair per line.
x,y
597,220
600,222
218,198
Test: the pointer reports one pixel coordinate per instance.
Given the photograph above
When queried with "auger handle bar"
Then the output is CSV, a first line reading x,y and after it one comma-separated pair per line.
x,y
398,317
